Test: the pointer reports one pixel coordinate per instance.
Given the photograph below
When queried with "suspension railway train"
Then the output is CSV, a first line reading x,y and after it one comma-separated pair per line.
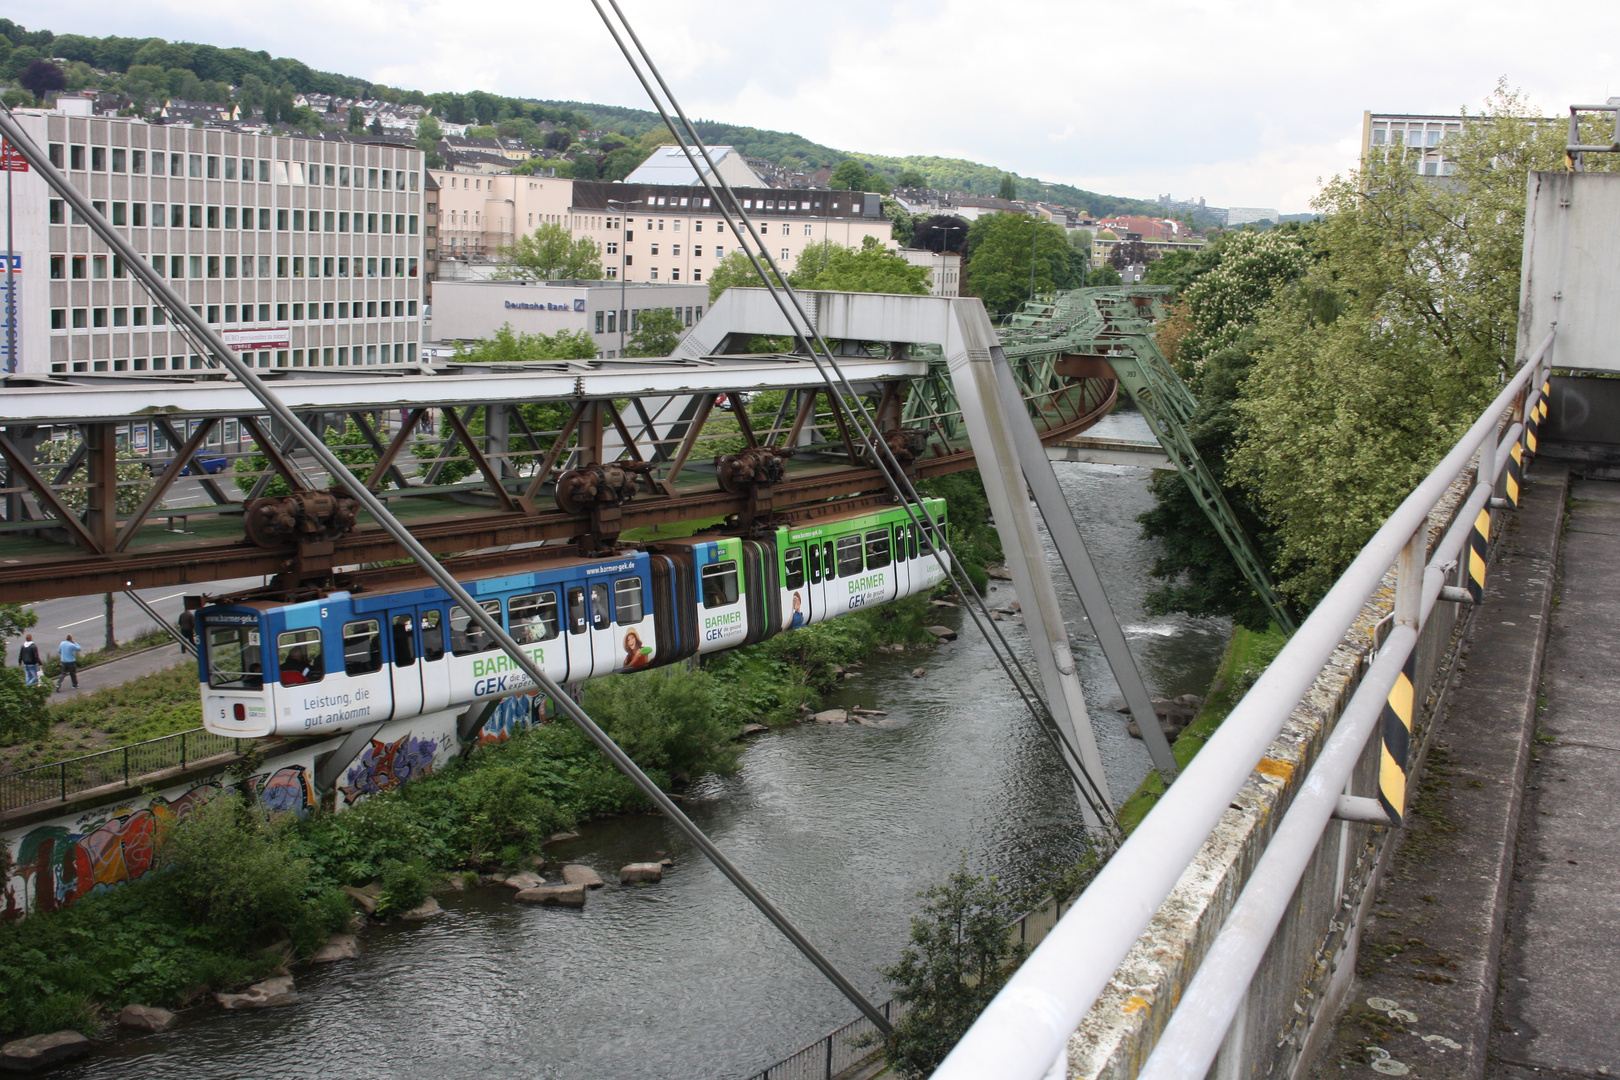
x,y
353,658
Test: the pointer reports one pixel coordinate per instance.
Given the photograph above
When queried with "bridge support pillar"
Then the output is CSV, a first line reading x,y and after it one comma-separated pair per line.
x,y
989,427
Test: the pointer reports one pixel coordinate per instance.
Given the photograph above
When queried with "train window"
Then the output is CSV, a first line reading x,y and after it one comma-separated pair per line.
x,y
601,606
576,610
927,546
534,617
233,658
827,560
627,601
911,530
362,647
720,584
432,636
877,549
404,641
466,636
815,564
849,556
793,568
298,657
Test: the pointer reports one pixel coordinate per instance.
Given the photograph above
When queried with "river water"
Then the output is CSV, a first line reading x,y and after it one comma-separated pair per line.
x,y
840,825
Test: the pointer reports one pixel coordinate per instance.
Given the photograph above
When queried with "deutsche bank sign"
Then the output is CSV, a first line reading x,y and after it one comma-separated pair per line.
x,y
578,305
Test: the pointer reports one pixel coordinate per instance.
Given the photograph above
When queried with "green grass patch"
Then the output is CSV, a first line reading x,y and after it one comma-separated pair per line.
x,y
162,703
1247,654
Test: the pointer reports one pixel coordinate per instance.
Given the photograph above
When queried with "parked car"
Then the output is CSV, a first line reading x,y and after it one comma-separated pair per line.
x,y
210,461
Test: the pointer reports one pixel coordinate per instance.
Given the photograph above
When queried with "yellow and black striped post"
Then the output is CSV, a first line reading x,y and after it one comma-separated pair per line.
x,y
1396,754
1513,482
1479,550
1532,423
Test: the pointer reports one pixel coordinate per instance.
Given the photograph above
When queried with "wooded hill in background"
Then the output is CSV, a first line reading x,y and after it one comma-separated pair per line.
x,y
152,69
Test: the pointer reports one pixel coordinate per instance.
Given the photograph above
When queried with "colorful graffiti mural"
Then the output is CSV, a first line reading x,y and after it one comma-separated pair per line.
x,y
385,766
511,715
55,865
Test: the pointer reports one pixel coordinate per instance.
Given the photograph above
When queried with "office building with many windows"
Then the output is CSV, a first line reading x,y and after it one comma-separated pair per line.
x,y
649,232
609,311
301,252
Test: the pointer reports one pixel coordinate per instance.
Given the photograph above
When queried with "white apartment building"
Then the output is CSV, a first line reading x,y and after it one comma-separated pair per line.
x,y
1420,139
944,269
610,312
648,232
303,253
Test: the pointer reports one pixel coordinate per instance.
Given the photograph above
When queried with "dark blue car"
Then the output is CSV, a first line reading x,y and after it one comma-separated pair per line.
x,y
210,462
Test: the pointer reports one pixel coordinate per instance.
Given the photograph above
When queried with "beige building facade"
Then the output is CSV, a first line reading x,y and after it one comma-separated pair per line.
x,y
648,232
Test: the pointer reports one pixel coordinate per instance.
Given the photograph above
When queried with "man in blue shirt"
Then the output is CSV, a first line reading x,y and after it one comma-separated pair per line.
x,y
69,652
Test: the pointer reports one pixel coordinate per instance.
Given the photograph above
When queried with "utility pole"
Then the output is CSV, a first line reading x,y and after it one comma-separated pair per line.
x,y
111,641
623,221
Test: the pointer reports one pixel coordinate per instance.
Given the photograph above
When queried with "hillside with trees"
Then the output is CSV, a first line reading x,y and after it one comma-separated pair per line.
x,y
150,71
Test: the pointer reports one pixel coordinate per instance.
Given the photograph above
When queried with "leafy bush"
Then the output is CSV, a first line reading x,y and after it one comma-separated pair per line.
x,y
666,720
230,871
405,886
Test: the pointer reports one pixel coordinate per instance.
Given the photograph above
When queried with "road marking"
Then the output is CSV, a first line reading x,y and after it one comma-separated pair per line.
x,y
171,596
81,622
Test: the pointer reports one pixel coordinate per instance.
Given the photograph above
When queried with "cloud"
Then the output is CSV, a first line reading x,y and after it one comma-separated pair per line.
x,y
1244,103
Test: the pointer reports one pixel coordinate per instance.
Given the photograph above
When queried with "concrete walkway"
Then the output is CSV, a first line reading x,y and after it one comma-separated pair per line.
x,y
1558,1014
120,671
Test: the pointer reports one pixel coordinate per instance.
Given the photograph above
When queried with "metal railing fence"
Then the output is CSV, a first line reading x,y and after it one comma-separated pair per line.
x,y
129,766
1023,1032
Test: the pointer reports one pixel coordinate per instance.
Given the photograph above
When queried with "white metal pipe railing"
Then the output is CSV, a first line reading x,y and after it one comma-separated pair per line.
x,y
1029,1022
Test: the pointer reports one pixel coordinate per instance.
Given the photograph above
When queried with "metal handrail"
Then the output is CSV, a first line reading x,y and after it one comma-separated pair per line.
x,y
1022,1032
129,766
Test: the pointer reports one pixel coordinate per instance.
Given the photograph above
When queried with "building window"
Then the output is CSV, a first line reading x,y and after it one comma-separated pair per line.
x,y
613,273
230,309
697,251
177,216
719,251
137,214
298,220
264,218
230,266
213,313
675,274
281,266
697,274
655,249
807,230
784,255
98,317
213,266
675,250
652,275
230,214
784,228
58,318
139,316
281,220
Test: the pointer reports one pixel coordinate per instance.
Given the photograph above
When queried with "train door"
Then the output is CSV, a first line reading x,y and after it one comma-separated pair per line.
x,y
577,626
606,655
404,667
824,594
902,560
369,684
634,634
796,604
433,659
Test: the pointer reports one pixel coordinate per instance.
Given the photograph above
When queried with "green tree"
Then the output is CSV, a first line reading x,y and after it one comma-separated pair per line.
x,y
960,954
657,332
357,118
998,263
733,270
548,253
23,714
911,178
1009,187
510,347
134,480
1370,368
869,268
1209,338
428,134
1103,275
851,175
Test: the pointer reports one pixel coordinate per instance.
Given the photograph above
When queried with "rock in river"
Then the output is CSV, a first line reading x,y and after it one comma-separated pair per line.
x,y
362,899
831,716
550,895
425,910
641,871
523,879
262,995
574,874
39,1051
1000,573
145,1018
337,947
943,633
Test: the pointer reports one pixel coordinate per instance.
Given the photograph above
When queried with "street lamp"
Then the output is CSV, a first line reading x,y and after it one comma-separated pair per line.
x,y
944,243
622,312
1033,232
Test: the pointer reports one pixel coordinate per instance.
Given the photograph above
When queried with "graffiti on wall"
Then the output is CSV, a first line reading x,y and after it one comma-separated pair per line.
x,y
511,715
385,766
55,865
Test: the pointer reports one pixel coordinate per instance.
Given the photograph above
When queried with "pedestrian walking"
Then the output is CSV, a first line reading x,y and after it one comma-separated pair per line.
x,y
28,657
69,652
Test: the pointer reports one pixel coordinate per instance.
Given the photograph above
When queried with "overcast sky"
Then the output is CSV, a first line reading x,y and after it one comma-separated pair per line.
x,y
1246,104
